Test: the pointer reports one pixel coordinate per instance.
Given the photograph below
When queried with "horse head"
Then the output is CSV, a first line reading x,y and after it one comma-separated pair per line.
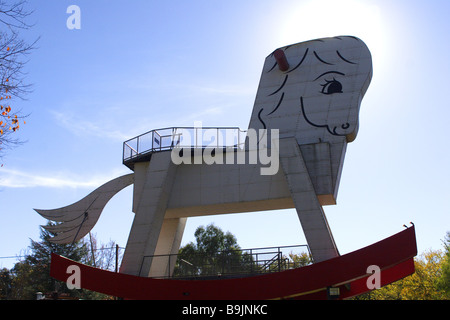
x,y
313,90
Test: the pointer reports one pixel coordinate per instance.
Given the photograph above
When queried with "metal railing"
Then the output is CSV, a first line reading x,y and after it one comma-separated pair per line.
x,y
183,137
228,264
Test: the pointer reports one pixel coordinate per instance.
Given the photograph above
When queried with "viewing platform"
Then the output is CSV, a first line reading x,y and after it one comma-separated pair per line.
x,y
140,148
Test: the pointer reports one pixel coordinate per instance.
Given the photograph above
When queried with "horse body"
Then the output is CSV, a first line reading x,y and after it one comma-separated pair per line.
x,y
310,93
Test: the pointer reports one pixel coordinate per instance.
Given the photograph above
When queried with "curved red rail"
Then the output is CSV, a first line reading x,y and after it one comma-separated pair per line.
x,y
393,255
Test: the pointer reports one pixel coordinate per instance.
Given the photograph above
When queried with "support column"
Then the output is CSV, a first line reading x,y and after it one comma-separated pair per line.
x,y
310,212
167,247
152,196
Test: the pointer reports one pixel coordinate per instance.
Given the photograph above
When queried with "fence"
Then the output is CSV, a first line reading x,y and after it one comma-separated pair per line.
x,y
230,264
183,137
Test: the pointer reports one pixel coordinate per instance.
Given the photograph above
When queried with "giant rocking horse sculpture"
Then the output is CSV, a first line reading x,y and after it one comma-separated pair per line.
x,y
308,103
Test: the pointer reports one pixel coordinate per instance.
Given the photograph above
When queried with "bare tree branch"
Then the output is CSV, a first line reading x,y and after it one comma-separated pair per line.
x,y
14,52
14,15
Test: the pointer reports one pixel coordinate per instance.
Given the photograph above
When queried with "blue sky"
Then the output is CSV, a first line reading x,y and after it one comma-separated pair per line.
x,y
142,65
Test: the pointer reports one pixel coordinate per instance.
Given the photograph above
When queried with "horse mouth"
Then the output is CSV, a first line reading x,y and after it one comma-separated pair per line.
x,y
332,131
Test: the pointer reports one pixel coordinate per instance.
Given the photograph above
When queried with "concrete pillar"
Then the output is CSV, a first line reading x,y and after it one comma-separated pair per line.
x,y
310,212
151,196
167,248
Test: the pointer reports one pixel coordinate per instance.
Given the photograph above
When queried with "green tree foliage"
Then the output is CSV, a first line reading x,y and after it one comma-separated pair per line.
x,y
5,284
217,253
32,274
443,282
299,260
429,282
214,253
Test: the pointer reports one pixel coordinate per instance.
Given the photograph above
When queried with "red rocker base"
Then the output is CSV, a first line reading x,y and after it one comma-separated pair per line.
x,y
393,256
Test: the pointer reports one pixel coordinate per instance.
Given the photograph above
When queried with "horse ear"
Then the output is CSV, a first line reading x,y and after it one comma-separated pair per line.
x,y
281,59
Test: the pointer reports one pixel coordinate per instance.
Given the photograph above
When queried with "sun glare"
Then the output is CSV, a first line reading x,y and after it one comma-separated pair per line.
x,y
328,18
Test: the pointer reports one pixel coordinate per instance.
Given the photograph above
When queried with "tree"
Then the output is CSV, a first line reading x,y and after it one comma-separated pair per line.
x,y
421,285
32,274
5,284
13,53
299,260
215,253
212,239
443,282
102,256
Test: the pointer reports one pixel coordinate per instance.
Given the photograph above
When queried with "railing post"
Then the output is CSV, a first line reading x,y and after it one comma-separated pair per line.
x,y
153,139
279,260
168,270
172,142
238,145
117,257
196,130
137,146
251,261
223,262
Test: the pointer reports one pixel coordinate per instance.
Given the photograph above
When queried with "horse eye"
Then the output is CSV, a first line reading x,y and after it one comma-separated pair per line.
x,y
331,87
